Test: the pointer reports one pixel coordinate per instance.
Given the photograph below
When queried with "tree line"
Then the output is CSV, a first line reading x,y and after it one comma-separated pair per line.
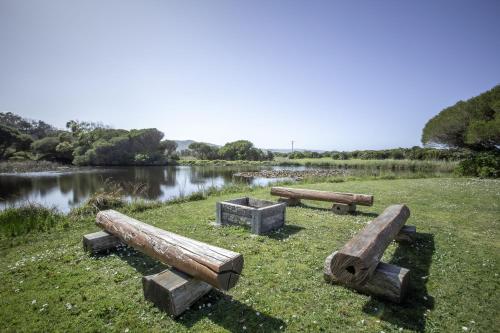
x,y
231,151
81,143
413,153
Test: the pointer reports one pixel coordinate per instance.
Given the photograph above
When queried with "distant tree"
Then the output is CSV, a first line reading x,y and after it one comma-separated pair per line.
x,y
106,146
35,128
473,124
241,150
54,148
204,151
169,146
11,140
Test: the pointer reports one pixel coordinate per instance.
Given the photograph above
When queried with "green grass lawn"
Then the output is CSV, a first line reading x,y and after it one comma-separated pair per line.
x,y
49,284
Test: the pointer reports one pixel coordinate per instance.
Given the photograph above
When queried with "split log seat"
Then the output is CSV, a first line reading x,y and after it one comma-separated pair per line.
x,y
197,267
357,264
343,203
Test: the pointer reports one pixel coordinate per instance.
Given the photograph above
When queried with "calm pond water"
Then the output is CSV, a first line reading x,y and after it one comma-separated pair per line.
x,y
68,189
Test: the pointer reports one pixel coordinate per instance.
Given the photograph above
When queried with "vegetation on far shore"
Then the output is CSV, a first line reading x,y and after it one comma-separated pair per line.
x,y
469,130
50,284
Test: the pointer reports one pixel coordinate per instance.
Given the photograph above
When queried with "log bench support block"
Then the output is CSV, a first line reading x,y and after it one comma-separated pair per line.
x,y
173,291
388,281
290,202
407,234
343,209
100,241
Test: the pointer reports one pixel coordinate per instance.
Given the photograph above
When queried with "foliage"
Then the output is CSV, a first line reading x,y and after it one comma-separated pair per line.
x,y
483,164
54,148
16,221
204,151
169,147
242,150
37,129
11,140
104,146
473,124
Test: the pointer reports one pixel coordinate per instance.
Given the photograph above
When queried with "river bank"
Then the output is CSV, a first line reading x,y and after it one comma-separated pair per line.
x,y
33,166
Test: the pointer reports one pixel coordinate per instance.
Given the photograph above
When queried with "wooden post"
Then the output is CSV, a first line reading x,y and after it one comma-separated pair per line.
x,y
388,281
357,260
343,209
173,291
100,241
290,202
407,234
344,198
217,266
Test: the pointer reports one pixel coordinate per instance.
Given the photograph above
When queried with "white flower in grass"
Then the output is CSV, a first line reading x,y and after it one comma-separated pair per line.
x,y
33,301
69,306
465,328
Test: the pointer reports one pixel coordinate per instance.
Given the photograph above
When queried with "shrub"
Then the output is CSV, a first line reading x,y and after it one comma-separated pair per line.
x,y
484,165
21,220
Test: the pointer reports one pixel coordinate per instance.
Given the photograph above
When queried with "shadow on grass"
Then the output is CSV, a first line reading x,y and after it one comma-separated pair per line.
x,y
326,209
411,313
229,314
223,311
139,261
284,232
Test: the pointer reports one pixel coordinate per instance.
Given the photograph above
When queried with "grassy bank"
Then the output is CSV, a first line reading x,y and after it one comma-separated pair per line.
x,y
31,166
50,284
388,164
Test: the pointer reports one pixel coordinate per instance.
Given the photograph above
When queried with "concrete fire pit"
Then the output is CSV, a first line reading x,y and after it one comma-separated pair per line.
x,y
262,216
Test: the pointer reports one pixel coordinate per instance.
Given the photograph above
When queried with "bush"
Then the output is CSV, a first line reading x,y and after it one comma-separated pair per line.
x,y
17,221
484,165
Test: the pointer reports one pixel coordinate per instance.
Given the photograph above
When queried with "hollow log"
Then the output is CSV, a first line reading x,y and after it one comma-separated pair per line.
x,y
356,261
388,281
217,266
339,197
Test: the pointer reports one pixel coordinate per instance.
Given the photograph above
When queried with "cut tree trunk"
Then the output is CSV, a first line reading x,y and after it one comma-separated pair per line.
x,y
357,260
388,281
345,198
217,266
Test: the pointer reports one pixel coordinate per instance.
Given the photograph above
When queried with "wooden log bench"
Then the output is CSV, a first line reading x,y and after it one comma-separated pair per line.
x,y
343,203
357,264
197,267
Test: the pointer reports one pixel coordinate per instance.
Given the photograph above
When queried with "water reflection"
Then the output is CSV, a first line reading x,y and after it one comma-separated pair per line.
x,y
69,189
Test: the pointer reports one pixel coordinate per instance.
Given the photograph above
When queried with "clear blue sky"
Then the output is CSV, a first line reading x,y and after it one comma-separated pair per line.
x,y
328,74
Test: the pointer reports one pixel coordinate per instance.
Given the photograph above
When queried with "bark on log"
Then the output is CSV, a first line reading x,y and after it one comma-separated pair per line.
x,y
357,260
217,266
388,281
345,198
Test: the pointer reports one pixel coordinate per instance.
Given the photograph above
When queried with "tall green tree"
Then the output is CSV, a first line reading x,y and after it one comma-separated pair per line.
x,y
473,124
204,151
241,150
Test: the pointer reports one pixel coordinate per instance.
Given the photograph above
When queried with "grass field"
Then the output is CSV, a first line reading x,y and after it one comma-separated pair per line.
x,y
387,164
384,165
50,284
